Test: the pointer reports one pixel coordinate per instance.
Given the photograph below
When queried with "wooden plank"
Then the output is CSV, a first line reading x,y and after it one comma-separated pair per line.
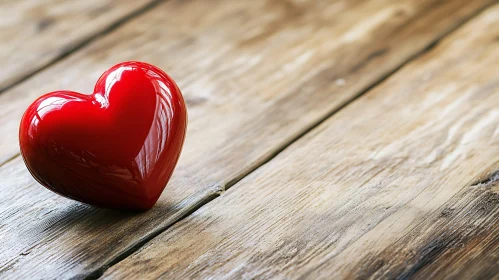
x,y
329,205
249,94
458,240
35,33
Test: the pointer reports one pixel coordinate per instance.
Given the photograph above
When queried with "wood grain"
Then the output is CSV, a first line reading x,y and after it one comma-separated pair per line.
x,y
385,188
458,240
255,77
35,33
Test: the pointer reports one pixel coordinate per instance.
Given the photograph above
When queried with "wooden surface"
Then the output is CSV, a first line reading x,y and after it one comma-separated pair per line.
x,y
36,33
339,199
379,189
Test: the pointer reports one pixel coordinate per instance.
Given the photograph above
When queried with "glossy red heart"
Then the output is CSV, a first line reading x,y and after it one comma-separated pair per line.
x,y
115,148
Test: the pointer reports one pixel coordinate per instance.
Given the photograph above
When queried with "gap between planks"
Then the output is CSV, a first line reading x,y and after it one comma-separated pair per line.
x,y
9,159
184,213
79,45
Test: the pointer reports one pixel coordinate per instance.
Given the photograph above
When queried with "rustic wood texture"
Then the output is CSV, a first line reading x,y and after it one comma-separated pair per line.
x,y
386,187
255,76
457,241
35,33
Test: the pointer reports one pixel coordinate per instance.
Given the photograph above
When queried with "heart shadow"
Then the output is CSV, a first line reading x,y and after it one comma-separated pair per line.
x,y
78,219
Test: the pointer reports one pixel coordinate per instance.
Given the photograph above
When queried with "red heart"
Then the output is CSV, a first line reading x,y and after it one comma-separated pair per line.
x,y
115,148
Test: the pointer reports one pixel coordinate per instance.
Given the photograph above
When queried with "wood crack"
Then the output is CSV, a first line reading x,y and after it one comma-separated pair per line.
x,y
490,180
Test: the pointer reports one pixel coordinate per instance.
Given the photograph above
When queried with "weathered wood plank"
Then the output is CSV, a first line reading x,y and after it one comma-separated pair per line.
x,y
334,202
255,76
457,241
35,33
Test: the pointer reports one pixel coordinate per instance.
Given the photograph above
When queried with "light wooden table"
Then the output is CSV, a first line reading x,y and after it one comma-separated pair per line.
x,y
327,139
